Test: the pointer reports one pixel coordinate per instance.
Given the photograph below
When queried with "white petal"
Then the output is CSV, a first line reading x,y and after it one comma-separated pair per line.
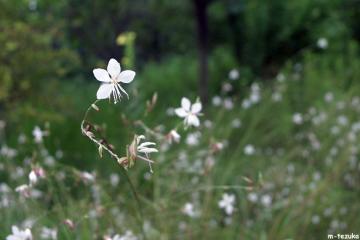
x,y
193,120
113,68
15,230
196,107
185,103
101,75
104,91
126,76
145,144
148,150
181,112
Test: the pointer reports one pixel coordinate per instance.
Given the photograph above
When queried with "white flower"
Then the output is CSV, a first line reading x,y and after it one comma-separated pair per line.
x,y
227,203
127,236
173,135
193,139
145,147
322,43
24,190
236,123
48,233
249,149
234,74
189,210
216,101
190,112
87,177
38,134
252,197
266,200
18,234
33,178
297,118
35,175
111,78
228,104
114,179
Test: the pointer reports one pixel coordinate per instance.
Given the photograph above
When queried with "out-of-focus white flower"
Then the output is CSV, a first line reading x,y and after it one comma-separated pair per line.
x,y
193,139
276,97
8,152
253,197
48,233
234,74
280,77
173,136
59,154
127,236
227,87
342,120
297,118
329,97
315,219
111,78
87,177
24,190
216,101
236,123
228,103
190,112
38,134
33,178
18,234
22,138
249,149
189,210
114,179
68,222
266,200
246,104
227,203
322,43
35,174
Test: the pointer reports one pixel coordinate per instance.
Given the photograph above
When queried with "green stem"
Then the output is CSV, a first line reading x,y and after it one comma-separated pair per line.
x,y
140,217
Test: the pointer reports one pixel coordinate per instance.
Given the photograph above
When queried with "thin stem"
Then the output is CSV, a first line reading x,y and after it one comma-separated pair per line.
x,y
137,199
91,136
93,139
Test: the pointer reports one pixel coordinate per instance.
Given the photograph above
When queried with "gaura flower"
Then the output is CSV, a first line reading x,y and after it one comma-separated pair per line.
x,y
173,136
138,150
227,203
111,78
24,190
18,234
38,134
35,175
189,112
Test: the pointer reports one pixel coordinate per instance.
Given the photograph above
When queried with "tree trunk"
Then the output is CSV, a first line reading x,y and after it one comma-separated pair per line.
x,y
200,11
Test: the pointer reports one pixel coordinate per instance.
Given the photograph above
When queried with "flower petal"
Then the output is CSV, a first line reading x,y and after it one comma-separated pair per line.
x,y
185,103
104,91
148,150
181,112
126,76
113,68
193,120
196,107
145,144
101,75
